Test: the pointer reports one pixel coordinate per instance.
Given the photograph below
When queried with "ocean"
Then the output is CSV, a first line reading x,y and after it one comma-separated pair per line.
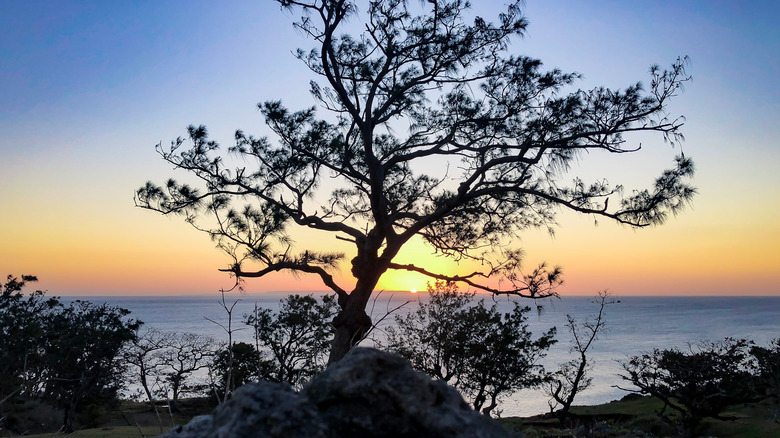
x,y
634,325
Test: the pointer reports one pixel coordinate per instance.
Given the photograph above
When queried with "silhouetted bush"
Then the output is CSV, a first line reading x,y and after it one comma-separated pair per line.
x,y
698,383
296,339
483,353
67,356
248,365
767,363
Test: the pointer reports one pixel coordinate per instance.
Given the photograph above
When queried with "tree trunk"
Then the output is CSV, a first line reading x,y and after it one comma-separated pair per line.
x,y
174,402
145,385
493,404
70,415
351,324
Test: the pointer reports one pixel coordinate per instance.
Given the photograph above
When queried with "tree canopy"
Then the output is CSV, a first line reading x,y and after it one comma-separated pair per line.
x,y
295,338
432,129
698,383
484,353
66,355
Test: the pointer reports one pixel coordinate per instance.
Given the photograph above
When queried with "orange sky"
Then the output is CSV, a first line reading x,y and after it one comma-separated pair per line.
x,y
89,91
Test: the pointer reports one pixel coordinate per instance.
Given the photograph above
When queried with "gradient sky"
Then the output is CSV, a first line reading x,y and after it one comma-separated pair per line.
x,y
88,88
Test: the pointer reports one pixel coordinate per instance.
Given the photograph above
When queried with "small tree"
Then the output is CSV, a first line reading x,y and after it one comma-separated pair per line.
x,y
67,356
144,357
185,354
229,330
297,337
433,337
421,83
239,367
767,368
485,354
83,356
571,378
24,324
698,383
767,372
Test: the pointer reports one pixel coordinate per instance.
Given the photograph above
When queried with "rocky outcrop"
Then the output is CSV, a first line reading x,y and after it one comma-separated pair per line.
x,y
267,410
369,393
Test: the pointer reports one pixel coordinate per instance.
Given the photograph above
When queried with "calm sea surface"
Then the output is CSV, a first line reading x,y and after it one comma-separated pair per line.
x,y
635,325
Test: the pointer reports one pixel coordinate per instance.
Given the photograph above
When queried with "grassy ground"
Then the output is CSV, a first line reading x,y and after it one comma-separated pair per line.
x,y
752,420
136,420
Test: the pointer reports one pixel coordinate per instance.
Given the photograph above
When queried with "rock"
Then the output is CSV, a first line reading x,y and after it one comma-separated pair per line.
x,y
637,433
602,427
266,410
199,426
257,410
371,393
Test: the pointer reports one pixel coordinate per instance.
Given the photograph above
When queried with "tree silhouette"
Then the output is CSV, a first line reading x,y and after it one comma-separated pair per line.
x,y
295,338
484,353
572,378
700,382
434,131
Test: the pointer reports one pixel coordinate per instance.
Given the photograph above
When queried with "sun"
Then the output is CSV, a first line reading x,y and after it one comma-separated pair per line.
x,y
414,291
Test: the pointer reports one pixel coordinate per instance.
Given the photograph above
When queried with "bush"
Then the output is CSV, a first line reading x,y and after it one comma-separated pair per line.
x,y
248,365
483,353
698,383
64,356
296,339
767,369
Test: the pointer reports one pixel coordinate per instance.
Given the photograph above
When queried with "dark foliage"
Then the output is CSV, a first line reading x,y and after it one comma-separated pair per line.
x,y
83,356
767,373
296,338
67,356
23,325
246,365
483,353
698,383
767,368
422,83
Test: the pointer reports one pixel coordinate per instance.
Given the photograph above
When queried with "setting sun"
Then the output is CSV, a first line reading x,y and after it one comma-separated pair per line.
x,y
414,291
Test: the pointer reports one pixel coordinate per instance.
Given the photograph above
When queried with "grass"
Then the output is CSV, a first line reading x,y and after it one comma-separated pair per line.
x,y
750,420
136,420
106,432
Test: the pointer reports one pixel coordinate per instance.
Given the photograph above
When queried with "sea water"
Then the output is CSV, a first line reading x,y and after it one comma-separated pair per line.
x,y
634,325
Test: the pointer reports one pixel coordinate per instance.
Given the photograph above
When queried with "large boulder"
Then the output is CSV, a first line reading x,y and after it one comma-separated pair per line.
x,y
257,410
369,393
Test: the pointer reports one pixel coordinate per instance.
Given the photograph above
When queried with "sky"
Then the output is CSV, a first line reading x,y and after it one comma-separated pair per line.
x,y
88,88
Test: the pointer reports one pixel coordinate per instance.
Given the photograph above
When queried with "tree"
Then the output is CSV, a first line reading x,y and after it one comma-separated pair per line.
x,y
296,338
143,355
483,353
64,355
23,324
698,383
570,379
239,367
433,337
185,354
227,388
767,372
83,356
434,133
768,368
